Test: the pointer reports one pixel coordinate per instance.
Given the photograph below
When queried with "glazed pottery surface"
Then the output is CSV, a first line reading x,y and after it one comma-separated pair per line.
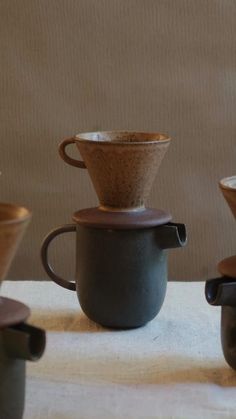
x,y
227,267
222,292
228,189
121,275
122,165
13,222
121,220
18,342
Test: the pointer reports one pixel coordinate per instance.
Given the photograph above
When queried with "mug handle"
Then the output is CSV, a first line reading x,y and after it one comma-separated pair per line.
x,y
44,256
64,155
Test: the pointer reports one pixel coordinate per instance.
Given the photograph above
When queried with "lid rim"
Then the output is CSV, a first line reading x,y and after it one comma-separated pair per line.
x,y
123,220
12,312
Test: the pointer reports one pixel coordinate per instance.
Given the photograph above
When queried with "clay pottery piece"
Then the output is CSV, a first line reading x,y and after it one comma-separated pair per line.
x,y
121,273
122,165
18,342
13,222
222,292
227,267
228,189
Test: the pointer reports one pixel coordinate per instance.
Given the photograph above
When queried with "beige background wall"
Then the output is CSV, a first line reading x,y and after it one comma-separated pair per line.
x,y
163,65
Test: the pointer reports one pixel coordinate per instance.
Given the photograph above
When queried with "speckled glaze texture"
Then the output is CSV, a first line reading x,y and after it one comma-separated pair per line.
x,y
227,267
228,189
13,222
122,165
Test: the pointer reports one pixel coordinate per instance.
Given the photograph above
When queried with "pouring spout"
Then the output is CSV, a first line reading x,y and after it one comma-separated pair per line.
x,y
172,235
221,291
25,342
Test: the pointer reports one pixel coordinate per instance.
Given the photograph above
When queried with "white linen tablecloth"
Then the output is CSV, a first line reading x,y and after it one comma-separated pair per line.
x,y
171,368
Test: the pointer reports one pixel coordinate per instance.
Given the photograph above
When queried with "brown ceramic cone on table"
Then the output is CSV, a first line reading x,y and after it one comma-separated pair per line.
x,y
13,222
228,189
227,185
122,165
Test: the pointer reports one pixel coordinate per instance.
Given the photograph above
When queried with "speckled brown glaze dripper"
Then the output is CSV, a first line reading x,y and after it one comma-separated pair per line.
x,y
227,267
13,222
228,189
122,165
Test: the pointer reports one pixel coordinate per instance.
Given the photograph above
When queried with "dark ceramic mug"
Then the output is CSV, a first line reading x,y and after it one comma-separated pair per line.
x,y
121,275
18,343
222,292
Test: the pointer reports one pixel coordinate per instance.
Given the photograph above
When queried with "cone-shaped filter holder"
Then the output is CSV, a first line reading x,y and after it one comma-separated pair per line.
x,y
13,222
228,188
122,165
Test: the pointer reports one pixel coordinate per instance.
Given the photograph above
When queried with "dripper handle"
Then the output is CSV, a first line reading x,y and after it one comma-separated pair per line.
x,y
44,256
64,155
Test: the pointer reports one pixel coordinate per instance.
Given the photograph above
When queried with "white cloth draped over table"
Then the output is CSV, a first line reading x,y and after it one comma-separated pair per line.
x,y
171,368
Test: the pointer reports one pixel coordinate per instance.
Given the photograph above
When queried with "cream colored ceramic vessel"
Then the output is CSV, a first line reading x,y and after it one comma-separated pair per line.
x,y
13,222
122,165
228,188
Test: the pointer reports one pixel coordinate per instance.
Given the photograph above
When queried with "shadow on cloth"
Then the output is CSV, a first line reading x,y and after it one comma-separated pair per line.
x,y
64,321
136,364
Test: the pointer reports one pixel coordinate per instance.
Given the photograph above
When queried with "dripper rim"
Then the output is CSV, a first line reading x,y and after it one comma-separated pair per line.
x,y
225,183
15,220
166,138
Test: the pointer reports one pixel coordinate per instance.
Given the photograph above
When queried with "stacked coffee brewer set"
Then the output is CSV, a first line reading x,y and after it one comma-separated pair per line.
x,y
18,341
121,265
121,254
222,291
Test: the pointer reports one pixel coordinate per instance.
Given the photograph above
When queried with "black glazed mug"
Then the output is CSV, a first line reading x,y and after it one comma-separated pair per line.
x,y
222,292
18,343
121,275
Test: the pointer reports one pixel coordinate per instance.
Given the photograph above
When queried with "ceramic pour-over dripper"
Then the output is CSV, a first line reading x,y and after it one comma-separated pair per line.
x,y
122,165
227,185
228,189
13,222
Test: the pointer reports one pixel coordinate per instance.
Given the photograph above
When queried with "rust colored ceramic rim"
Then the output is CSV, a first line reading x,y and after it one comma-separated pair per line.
x,y
147,218
12,312
16,213
148,137
227,267
228,183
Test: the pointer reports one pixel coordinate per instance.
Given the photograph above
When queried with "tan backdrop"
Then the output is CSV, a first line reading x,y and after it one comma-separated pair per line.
x,y
161,65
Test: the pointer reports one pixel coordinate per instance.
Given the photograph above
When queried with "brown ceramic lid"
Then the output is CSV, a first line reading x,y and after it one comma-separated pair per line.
x,y
227,267
12,312
95,217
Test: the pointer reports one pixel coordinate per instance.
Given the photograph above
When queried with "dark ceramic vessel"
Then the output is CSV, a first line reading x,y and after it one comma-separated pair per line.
x,y
222,292
18,342
121,274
